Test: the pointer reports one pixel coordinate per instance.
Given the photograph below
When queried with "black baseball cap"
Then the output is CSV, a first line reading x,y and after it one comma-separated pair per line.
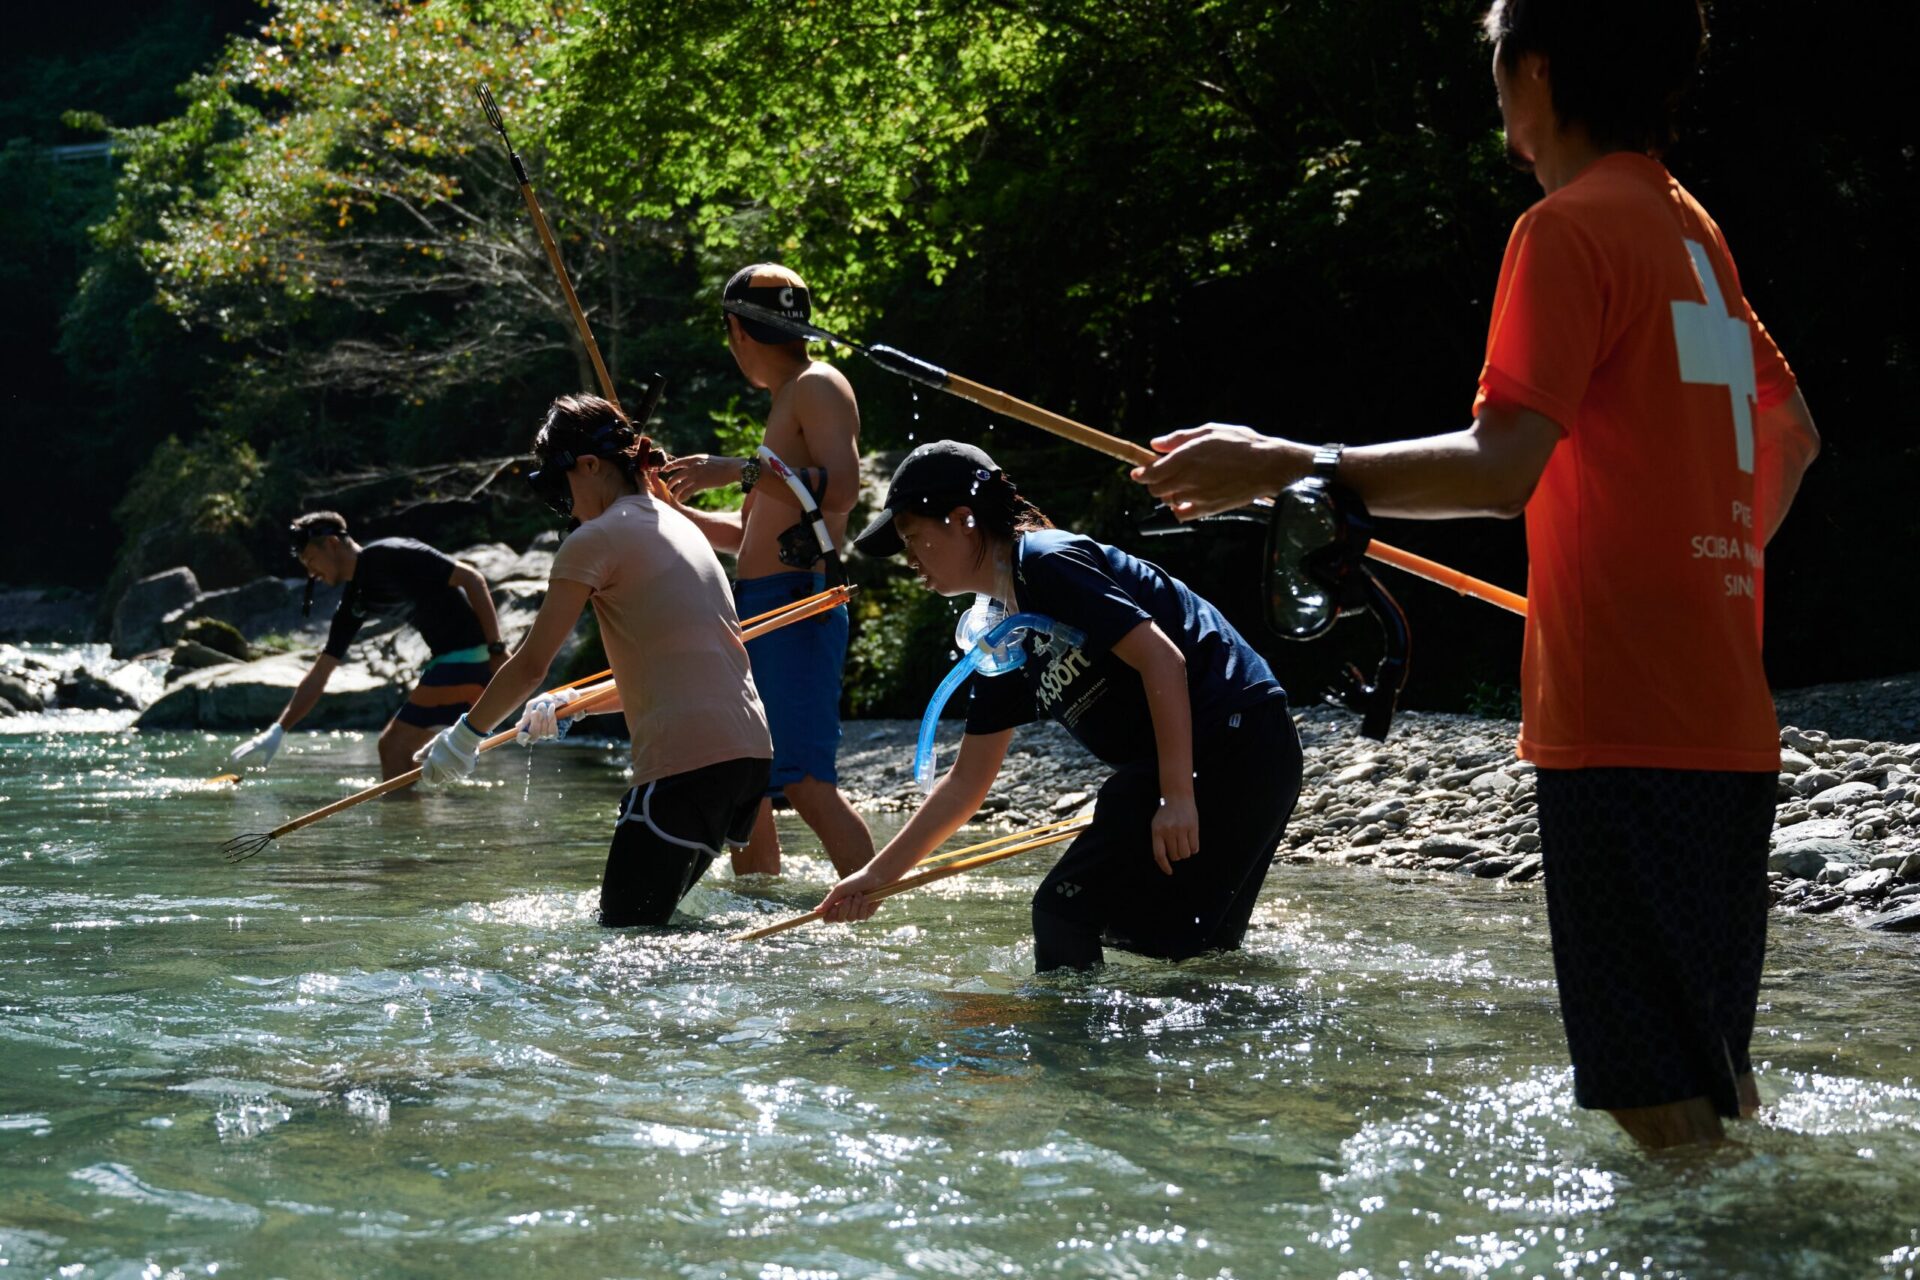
x,y
932,480
773,293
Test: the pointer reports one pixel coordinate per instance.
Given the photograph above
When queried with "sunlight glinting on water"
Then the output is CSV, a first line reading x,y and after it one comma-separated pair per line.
x,y
400,1038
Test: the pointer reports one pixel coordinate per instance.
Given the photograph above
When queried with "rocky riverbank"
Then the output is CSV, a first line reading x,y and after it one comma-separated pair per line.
x,y
1446,795
183,658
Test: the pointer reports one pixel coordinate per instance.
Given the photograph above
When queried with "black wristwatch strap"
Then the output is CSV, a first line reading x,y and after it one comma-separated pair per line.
x,y
497,647
749,475
1326,461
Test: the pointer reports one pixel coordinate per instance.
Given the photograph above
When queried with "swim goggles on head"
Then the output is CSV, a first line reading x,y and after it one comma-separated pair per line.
x,y
995,650
298,536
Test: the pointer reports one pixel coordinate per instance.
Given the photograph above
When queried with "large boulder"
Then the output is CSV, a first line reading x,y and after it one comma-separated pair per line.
x,y
249,695
496,561
28,613
88,692
137,618
21,694
191,655
242,607
222,637
536,562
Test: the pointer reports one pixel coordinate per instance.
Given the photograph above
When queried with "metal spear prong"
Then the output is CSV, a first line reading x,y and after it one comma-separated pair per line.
x,y
240,848
492,109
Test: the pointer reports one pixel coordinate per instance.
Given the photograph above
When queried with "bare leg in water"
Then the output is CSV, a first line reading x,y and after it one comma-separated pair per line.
x,y
842,831
1690,1122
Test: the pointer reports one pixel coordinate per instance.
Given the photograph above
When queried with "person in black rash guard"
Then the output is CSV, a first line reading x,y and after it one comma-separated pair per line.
x,y
1158,685
445,600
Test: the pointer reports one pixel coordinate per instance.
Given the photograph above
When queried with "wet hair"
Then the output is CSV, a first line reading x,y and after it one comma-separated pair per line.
x,y
1618,68
586,426
999,510
319,524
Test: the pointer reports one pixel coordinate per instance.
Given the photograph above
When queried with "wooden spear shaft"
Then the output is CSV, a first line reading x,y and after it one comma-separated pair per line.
x,y
548,243
914,881
591,700
1127,451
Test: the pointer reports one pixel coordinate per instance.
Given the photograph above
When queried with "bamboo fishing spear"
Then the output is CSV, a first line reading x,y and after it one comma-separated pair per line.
x,y
547,242
242,847
932,375
595,698
1056,832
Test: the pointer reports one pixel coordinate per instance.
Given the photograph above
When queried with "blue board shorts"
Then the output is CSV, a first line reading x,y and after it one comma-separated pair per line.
x,y
797,670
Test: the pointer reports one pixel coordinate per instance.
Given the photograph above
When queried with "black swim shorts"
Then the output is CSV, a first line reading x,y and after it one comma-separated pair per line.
x,y
1657,902
669,833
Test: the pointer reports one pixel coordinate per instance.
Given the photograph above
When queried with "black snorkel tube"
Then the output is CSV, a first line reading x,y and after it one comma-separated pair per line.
x,y
1316,572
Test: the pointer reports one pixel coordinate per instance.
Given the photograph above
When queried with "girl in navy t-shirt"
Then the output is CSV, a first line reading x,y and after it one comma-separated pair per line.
x,y
1155,683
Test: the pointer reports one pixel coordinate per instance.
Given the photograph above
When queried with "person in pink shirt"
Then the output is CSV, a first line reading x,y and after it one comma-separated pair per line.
x,y
701,750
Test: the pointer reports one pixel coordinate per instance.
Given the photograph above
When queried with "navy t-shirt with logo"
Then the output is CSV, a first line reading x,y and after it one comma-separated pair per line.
x,y
399,577
1106,593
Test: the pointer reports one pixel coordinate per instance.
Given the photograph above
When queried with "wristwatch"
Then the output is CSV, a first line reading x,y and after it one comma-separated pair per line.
x,y
497,648
749,474
1326,461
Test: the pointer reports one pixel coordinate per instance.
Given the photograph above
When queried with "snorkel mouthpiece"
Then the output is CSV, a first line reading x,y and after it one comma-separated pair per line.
x,y
995,652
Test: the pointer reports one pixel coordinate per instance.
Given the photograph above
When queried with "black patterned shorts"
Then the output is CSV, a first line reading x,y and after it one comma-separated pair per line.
x,y
1657,901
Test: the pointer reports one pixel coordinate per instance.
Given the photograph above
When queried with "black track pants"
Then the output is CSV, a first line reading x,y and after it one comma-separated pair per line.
x,y
1107,887
669,833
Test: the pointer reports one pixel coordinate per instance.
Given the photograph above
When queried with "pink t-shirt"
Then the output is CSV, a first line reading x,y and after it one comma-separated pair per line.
x,y
673,641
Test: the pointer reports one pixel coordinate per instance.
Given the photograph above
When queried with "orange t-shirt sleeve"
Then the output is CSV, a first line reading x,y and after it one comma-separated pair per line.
x,y
1548,317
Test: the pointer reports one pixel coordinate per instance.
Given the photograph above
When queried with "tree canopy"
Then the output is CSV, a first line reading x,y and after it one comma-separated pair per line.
x,y
1145,214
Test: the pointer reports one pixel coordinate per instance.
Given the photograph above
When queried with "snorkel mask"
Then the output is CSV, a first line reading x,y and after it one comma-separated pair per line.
x,y
548,476
1316,573
993,644
298,536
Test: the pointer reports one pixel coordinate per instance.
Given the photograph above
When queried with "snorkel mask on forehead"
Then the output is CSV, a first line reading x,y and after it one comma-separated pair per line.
x,y
548,479
1316,573
298,536
548,475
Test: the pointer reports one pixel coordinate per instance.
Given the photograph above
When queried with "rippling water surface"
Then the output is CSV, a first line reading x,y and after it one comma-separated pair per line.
x,y
397,1043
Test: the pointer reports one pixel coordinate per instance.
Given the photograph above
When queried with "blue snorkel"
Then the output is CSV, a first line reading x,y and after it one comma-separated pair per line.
x,y
993,653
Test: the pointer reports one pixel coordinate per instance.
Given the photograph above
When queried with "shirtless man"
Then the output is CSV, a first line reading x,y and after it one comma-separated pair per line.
x,y
813,427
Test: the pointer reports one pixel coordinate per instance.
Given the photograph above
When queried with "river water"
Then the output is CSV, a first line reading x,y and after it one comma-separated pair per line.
x,y
396,1043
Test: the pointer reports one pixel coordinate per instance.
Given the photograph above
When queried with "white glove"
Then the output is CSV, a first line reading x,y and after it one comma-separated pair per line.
x,y
264,745
450,756
541,717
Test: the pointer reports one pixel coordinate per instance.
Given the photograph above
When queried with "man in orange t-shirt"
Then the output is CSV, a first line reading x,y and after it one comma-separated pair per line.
x,y
1632,406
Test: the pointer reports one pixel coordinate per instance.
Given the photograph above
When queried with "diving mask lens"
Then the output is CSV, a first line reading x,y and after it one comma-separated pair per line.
x,y
549,482
1299,604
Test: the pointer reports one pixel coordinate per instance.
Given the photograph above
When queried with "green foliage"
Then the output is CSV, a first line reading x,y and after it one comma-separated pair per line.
x,y
1494,701
900,646
825,135
190,505
336,164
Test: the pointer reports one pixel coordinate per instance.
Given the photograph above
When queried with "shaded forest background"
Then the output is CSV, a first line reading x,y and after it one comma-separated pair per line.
x,y
299,270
